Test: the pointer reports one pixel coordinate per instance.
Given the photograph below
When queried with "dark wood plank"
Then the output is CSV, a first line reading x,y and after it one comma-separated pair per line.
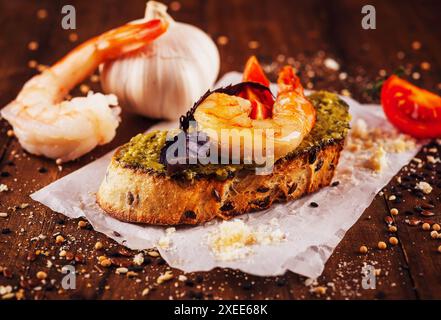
x,y
303,32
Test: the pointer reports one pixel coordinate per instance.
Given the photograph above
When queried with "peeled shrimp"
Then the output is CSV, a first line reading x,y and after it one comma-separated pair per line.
x,y
47,125
289,119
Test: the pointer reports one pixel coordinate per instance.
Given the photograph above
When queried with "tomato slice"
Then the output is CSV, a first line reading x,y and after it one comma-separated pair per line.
x,y
412,110
261,102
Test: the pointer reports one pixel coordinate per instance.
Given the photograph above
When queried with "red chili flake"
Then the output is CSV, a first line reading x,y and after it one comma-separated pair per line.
x,y
79,258
413,221
7,273
121,262
388,220
69,256
124,252
31,256
427,213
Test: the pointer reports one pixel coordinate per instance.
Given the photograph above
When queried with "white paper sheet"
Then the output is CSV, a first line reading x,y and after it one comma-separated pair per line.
x,y
312,233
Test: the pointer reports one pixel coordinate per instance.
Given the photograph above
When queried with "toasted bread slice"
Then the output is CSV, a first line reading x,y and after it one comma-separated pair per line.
x,y
145,193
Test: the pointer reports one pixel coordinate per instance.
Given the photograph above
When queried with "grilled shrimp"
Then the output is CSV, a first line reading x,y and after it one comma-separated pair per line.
x,y
290,117
47,125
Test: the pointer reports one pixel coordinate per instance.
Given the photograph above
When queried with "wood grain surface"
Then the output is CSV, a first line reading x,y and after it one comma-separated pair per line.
x,y
300,32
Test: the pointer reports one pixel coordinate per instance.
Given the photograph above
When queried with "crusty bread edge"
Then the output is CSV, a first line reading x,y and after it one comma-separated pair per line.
x,y
133,195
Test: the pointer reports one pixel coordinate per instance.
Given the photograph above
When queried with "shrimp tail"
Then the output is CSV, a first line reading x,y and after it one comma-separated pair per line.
x,y
128,38
288,81
253,72
261,101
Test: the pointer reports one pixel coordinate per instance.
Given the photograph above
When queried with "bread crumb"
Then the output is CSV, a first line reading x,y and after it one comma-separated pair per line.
x,y
377,161
165,241
233,239
168,275
373,144
138,259
424,187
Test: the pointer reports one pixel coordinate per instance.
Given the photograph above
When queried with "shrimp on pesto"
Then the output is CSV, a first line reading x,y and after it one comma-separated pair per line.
x,y
250,106
46,124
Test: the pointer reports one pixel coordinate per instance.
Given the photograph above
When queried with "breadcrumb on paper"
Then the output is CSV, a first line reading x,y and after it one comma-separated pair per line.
x,y
233,240
376,143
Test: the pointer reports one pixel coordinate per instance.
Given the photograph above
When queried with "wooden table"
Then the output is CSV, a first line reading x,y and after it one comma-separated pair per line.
x,y
305,32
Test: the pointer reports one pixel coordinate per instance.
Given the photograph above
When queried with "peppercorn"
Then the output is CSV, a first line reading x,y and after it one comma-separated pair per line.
x,y
426,226
392,229
382,245
41,275
393,241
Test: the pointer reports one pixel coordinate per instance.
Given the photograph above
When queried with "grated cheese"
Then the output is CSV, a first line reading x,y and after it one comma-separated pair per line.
x,y
234,239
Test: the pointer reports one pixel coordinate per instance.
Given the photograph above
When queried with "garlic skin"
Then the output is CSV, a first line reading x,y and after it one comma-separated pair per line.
x,y
164,79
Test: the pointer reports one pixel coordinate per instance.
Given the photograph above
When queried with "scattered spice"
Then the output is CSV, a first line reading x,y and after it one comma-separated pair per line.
x,y
175,6
222,40
425,65
168,275
82,224
73,37
335,183
98,245
145,292
331,64
153,254
416,45
106,263
363,250
424,187
121,270
33,45
382,245
314,204
59,239
392,229
42,14
393,241
253,44
84,88
426,226
41,275
95,78
42,170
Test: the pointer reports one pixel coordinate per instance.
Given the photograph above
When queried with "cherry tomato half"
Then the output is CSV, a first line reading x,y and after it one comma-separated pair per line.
x,y
412,110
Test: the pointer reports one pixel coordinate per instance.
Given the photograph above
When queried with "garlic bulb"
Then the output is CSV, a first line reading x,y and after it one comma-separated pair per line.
x,y
164,79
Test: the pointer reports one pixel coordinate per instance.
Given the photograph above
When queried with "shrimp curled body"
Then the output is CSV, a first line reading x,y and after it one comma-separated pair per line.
x,y
290,118
46,124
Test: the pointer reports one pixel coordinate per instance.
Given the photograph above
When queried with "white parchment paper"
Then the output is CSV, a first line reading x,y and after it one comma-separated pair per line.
x,y
312,233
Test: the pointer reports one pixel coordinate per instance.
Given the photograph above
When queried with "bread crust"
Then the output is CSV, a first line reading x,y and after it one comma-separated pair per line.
x,y
134,195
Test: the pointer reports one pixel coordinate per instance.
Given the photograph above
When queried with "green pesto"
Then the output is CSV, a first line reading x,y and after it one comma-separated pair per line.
x,y
331,125
143,151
